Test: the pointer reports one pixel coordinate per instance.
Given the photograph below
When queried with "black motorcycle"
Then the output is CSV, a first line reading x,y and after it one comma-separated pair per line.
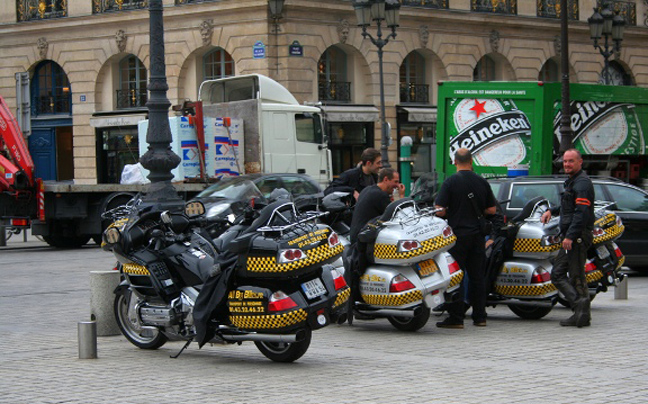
x,y
267,279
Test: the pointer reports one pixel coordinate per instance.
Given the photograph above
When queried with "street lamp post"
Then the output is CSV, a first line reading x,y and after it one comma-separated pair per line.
x,y
566,133
159,158
608,25
382,12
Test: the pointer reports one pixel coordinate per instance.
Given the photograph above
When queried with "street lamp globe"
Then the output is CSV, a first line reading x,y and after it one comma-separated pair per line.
x,y
596,25
618,25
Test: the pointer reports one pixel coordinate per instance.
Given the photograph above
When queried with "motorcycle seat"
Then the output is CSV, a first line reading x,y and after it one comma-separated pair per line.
x,y
527,209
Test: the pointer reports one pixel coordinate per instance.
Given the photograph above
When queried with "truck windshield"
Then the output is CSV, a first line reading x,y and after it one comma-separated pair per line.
x,y
309,128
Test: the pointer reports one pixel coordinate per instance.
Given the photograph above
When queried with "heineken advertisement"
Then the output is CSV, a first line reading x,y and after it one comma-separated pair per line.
x,y
602,127
495,131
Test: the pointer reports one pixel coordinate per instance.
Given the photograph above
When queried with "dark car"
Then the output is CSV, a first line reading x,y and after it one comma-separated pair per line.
x,y
630,204
229,194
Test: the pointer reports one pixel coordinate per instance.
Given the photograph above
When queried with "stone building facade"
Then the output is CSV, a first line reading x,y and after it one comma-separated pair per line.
x,y
89,59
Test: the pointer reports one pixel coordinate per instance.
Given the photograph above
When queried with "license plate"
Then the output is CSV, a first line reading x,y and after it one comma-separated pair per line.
x,y
314,288
602,252
427,268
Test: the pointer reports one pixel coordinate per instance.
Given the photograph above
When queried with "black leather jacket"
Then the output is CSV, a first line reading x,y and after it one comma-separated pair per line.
x,y
351,180
576,207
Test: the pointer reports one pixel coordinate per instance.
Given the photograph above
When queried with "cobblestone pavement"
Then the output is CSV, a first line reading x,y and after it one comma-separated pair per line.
x,y
45,293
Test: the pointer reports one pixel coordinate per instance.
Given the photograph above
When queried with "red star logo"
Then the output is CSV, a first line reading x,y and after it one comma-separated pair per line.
x,y
479,108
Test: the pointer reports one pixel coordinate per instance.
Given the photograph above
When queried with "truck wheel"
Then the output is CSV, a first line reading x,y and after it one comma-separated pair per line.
x,y
530,312
411,323
285,352
132,328
66,241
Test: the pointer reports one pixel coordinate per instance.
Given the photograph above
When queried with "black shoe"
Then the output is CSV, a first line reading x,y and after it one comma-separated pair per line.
x,y
576,321
479,323
450,323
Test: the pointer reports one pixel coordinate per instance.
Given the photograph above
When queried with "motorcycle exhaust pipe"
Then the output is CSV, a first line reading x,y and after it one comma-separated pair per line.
x,y
522,303
274,338
391,312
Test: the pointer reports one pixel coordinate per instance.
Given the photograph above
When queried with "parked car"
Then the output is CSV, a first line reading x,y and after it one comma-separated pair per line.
x,y
230,193
630,204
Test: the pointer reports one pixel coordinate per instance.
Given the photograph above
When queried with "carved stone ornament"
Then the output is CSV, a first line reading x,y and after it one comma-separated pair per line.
x,y
43,46
424,35
557,44
206,32
343,30
494,41
120,39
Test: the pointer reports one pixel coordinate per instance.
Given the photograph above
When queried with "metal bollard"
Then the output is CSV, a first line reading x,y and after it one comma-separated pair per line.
x,y
87,340
621,289
102,285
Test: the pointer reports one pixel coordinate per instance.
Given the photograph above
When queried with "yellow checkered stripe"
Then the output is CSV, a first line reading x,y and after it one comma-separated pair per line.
x,y
525,290
533,245
342,297
390,251
610,233
621,262
455,279
593,276
134,269
315,255
393,300
269,321
610,217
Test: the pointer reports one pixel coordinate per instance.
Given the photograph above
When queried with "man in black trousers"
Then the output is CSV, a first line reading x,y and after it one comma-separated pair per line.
x,y
469,250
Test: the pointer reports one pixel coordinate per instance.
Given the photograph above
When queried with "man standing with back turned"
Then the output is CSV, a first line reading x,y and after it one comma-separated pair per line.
x,y
469,249
576,224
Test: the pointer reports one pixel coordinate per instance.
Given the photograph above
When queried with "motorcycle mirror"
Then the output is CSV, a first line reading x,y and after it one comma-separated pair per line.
x,y
166,217
194,208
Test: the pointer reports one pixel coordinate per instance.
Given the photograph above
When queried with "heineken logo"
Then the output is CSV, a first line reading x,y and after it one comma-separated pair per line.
x,y
583,115
490,130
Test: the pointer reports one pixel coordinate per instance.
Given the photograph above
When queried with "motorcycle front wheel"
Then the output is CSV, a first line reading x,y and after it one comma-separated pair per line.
x,y
285,352
131,327
411,323
530,312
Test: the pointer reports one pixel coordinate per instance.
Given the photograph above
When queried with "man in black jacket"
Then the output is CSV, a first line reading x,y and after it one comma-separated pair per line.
x,y
576,224
360,177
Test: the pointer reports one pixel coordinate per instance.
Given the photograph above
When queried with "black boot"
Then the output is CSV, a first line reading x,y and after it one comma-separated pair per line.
x,y
581,316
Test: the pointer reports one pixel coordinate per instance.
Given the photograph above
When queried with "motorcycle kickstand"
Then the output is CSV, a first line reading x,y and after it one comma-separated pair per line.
x,y
182,350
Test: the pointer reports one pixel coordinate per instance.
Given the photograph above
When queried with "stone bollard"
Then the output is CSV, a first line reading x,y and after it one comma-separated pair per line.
x,y
621,289
87,340
102,298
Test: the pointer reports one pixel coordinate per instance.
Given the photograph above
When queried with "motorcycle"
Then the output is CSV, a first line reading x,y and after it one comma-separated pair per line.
x,y
518,265
604,257
267,280
409,271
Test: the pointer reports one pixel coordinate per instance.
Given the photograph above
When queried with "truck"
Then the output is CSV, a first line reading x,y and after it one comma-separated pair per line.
x,y
513,128
279,136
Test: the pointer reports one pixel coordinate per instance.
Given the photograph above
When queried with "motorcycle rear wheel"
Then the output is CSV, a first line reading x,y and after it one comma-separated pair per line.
x,y
530,312
411,323
285,352
132,328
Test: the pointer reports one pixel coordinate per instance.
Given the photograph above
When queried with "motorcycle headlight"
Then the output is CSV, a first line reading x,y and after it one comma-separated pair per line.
x,y
217,209
112,235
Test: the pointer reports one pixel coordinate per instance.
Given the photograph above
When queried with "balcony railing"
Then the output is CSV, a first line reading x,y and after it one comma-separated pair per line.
x,y
551,9
131,98
48,105
193,1
412,92
335,91
627,9
29,10
425,3
494,6
105,6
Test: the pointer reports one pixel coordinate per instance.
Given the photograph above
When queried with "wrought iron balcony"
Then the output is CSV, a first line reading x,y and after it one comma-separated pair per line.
x,y
29,10
627,10
131,98
335,91
425,3
193,1
412,92
48,105
551,9
494,6
104,6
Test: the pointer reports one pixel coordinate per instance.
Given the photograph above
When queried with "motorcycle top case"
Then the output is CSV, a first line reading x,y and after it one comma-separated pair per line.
x,y
536,241
412,241
301,250
606,227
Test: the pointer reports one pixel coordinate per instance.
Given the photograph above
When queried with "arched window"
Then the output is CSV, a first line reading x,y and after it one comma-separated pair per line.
x,y
332,76
217,64
412,79
550,72
616,75
50,90
485,69
132,83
